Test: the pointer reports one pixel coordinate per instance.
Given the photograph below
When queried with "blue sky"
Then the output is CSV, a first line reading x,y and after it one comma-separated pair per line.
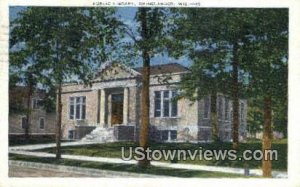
x,y
126,14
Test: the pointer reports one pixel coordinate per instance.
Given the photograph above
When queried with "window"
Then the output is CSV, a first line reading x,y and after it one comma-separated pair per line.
x,y
77,108
206,107
42,123
168,135
226,108
242,112
164,104
37,103
173,134
164,135
157,104
23,122
174,104
71,134
220,107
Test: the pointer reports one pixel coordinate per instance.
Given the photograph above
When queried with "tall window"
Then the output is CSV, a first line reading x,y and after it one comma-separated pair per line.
x,y
77,108
164,104
42,123
220,107
242,112
157,104
226,108
23,122
206,107
174,104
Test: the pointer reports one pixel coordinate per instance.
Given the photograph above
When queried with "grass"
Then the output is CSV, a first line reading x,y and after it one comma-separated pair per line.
x,y
127,168
114,150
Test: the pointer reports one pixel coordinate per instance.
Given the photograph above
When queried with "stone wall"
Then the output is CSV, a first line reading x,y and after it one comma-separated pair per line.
x,y
124,132
91,108
189,124
81,131
186,121
224,123
15,121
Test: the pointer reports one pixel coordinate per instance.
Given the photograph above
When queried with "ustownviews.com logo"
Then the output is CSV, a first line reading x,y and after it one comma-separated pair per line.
x,y
139,153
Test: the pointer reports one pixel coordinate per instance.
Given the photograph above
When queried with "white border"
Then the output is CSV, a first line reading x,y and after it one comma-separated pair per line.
x,y
294,103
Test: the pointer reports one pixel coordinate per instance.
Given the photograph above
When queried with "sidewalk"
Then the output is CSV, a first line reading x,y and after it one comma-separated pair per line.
x,y
25,150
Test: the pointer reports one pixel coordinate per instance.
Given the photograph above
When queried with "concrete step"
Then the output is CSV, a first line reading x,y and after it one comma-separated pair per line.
x,y
100,135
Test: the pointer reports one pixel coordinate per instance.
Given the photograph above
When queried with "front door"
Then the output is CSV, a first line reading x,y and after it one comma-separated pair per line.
x,y
116,109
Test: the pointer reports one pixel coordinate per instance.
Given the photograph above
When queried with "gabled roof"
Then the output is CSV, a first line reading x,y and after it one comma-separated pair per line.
x,y
164,69
135,72
108,64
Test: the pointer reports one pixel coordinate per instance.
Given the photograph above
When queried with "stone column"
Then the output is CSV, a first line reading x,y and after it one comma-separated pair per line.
x,y
125,106
102,108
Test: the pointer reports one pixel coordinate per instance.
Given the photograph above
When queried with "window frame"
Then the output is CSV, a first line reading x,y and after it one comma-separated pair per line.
x,y
22,122
43,123
169,99
206,99
73,132
80,103
242,110
35,103
226,109
220,108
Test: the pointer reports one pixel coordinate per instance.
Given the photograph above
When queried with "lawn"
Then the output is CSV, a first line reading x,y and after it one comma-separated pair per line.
x,y
114,150
127,167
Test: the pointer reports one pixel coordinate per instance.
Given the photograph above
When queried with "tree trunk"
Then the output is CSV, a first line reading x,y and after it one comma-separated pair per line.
x,y
58,123
144,130
235,98
28,112
214,118
267,137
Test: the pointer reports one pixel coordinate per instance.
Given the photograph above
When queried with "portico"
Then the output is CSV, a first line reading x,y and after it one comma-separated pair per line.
x,y
113,106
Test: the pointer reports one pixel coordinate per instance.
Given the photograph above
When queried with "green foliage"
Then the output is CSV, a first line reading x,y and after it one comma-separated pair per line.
x,y
63,42
255,119
207,36
49,45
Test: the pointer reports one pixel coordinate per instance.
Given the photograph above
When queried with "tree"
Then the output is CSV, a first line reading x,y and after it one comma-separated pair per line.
x,y
265,59
23,72
151,30
280,108
205,78
256,39
254,116
144,131
224,29
66,42
146,40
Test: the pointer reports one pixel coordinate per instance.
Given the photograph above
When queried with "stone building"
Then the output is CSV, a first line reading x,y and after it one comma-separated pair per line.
x,y
110,108
41,122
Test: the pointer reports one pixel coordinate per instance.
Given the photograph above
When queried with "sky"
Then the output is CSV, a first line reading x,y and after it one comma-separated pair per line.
x,y
127,15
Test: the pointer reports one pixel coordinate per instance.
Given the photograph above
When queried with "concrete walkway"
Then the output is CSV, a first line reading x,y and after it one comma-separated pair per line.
x,y
25,150
49,145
